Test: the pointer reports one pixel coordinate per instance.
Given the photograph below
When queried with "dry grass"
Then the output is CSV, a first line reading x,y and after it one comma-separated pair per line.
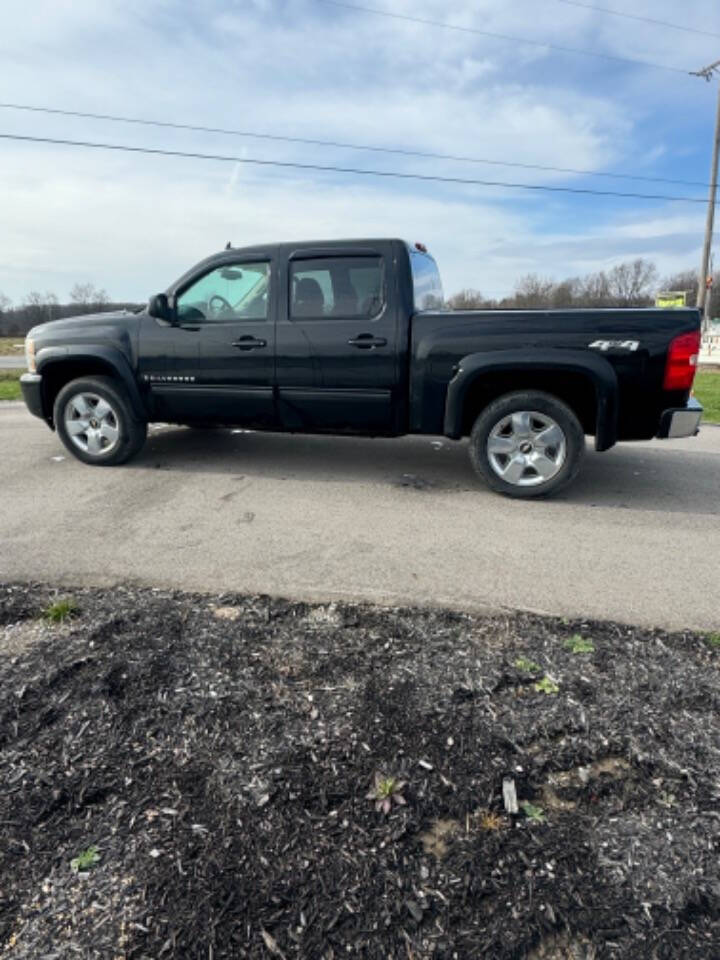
x,y
11,346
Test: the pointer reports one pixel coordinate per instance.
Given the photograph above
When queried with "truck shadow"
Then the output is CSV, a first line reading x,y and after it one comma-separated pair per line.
x,y
631,476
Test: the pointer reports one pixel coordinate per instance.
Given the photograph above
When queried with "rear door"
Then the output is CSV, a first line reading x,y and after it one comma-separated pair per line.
x,y
219,356
338,342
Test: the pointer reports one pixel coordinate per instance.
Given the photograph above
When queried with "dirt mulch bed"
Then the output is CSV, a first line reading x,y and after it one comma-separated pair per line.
x,y
217,751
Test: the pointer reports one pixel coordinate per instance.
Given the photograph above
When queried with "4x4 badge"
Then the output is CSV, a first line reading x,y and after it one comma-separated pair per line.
x,y
606,345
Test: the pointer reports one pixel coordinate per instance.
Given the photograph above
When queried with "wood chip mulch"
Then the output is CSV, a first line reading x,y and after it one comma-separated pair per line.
x,y
218,753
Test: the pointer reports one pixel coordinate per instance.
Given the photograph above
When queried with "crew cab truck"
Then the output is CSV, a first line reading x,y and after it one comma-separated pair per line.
x,y
351,337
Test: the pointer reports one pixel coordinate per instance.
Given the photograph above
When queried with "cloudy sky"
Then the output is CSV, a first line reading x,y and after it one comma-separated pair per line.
x,y
304,68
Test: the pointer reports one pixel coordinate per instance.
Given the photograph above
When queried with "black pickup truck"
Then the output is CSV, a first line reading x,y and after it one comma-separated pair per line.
x,y
352,337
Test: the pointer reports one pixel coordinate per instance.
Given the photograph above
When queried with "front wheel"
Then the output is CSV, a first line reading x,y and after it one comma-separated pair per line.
x,y
527,444
94,420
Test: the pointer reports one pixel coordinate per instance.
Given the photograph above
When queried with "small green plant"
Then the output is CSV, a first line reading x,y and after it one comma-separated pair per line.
x,y
60,610
578,644
714,640
85,860
385,791
547,685
527,666
533,812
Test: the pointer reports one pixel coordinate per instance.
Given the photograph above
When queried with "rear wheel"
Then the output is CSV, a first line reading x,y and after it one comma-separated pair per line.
x,y
527,444
94,420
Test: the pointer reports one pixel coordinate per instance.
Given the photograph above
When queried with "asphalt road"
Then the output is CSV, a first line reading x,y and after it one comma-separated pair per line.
x,y
636,539
13,363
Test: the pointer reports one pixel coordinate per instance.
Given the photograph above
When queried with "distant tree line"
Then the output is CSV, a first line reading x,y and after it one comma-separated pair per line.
x,y
36,307
634,283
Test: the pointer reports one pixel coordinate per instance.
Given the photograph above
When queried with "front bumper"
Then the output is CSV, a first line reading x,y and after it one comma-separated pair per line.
x,y
681,421
31,386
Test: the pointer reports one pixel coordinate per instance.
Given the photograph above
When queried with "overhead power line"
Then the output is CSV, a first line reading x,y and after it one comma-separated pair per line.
x,y
635,16
502,36
253,134
354,171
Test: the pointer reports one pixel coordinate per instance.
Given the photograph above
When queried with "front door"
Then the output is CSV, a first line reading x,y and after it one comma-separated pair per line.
x,y
337,346
217,361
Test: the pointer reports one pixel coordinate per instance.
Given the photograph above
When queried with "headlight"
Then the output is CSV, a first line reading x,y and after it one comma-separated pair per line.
x,y
30,355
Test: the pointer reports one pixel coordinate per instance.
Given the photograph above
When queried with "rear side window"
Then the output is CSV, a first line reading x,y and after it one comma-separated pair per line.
x,y
427,285
341,287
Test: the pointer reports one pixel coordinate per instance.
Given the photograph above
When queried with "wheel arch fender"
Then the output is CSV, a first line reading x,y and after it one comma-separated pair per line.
x,y
79,360
596,369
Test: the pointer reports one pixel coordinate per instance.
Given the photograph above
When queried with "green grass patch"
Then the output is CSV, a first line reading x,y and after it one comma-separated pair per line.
x,y
707,390
11,346
713,640
10,384
59,611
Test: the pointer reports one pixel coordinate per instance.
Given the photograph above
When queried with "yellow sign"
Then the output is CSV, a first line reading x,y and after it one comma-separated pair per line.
x,y
672,298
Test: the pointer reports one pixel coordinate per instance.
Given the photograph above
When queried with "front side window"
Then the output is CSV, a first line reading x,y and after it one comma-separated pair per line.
x,y
342,287
237,291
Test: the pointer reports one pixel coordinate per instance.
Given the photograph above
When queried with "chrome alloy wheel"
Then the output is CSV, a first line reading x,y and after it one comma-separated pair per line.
x,y
526,448
92,424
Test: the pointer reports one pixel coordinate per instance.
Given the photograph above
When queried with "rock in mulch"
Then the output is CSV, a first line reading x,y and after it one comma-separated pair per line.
x,y
218,753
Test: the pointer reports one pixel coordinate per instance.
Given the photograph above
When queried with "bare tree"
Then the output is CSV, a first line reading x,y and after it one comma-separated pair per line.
x,y
469,299
565,294
594,290
629,284
40,307
532,291
88,298
7,325
34,307
632,283
52,306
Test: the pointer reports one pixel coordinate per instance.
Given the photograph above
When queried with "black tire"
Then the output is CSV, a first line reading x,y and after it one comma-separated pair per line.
x,y
128,433
564,456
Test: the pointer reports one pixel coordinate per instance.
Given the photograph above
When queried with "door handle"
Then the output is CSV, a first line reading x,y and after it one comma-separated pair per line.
x,y
366,341
249,343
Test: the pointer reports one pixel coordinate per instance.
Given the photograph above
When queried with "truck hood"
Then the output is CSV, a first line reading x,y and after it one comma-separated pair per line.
x,y
53,328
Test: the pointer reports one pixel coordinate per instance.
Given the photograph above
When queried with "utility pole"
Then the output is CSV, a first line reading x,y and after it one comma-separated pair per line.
x,y
704,292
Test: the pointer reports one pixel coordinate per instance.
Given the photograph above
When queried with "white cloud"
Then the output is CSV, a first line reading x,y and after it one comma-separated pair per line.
x,y
300,68
137,227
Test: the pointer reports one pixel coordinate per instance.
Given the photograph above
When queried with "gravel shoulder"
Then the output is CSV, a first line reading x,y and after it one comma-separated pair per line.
x,y
218,751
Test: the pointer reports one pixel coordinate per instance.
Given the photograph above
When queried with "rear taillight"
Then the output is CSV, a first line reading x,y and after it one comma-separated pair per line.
x,y
682,361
